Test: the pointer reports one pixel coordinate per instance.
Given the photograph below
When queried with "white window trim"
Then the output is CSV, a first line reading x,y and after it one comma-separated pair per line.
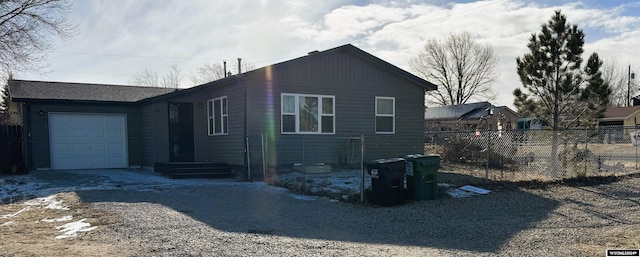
x,y
297,114
210,116
393,115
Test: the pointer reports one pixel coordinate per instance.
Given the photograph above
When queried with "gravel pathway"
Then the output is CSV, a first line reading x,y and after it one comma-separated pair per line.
x,y
257,220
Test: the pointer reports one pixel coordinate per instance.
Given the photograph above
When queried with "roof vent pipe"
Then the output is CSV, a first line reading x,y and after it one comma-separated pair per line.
x,y
239,70
224,62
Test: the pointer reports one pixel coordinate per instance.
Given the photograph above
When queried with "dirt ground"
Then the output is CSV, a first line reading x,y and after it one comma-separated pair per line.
x,y
27,234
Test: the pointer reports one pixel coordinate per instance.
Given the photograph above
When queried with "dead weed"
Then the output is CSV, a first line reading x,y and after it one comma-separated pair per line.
x,y
30,230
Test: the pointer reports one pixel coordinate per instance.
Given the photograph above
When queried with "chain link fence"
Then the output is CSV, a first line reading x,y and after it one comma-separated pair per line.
x,y
318,154
518,155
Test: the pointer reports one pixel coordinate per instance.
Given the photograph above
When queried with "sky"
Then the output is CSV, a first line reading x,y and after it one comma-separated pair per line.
x,y
117,39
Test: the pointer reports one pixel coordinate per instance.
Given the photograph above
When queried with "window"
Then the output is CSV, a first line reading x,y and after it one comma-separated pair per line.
x,y
218,116
385,115
308,114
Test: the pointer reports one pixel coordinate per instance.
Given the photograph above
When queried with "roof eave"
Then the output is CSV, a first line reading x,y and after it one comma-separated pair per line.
x,y
32,100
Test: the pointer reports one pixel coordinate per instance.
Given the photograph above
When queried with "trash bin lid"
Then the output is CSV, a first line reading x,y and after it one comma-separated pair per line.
x,y
420,156
391,160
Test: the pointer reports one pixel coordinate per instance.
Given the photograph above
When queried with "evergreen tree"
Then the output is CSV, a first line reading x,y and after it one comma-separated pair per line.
x,y
595,96
4,103
556,89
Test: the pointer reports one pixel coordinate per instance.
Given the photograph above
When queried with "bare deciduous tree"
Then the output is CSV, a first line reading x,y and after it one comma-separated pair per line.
x,y
149,78
461,68
145,78
28,29
616,75
213,71
173,78
247,66
207,72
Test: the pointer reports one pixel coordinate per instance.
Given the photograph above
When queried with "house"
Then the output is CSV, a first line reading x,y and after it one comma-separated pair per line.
x,y
307,110
620,116
614,121
469,116
531,123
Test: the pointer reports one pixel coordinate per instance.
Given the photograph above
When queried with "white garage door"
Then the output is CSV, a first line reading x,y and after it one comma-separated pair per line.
x,y
87,141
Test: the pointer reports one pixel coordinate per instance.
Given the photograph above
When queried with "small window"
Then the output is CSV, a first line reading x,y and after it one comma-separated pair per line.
x,y
217,113
385,115
308,114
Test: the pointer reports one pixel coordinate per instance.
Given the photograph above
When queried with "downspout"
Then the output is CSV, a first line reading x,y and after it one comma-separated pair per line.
x,y
26,135
247,160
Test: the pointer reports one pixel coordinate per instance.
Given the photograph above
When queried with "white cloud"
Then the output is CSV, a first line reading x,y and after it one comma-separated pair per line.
x,y
124,37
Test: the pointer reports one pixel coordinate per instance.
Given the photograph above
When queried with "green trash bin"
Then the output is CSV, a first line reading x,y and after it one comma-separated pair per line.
x,y
422,176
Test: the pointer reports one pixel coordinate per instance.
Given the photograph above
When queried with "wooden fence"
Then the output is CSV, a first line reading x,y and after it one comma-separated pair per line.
x,y
11,151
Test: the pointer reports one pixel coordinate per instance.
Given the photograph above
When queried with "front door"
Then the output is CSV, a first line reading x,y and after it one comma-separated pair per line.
x,y
180,132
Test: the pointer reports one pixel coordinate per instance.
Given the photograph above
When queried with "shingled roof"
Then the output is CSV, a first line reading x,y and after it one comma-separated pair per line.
x,y
619,113
454,111
26,90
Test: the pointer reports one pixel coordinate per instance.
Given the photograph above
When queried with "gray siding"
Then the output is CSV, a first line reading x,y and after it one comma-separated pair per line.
x,y
355,84
39,129
155,137
220,148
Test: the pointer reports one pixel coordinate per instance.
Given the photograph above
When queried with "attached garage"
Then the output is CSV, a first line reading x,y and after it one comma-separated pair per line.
x,y
81,126
87,141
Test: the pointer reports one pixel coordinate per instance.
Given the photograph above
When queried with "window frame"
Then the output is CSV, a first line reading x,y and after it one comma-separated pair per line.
x,y
393,115
296,114
222,117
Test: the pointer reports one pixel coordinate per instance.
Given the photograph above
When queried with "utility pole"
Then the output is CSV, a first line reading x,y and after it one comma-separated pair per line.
x,y
630,76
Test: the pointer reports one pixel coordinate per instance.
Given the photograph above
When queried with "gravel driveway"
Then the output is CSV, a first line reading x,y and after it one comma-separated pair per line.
x,y
254,219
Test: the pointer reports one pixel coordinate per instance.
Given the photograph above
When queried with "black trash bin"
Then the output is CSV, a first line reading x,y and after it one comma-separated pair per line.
x,y
387,181
422,176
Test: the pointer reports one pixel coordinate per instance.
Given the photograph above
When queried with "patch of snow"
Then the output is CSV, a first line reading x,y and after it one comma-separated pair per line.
x,y
476,190
48,202
47,183
335,182
17,187
6,216
72,228
6,224
304,197
466,191
63,218
458,193
445,185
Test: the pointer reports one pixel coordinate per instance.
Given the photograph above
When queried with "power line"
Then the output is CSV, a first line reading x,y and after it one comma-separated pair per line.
x,y
263,61
93,73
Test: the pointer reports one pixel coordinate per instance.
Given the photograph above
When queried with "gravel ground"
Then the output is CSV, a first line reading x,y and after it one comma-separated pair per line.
x,y
253,219
142,214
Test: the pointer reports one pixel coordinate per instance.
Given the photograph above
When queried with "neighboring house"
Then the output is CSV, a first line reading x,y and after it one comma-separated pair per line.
x,y
304,109
615,119
635,101
620,116
469,116
531,123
